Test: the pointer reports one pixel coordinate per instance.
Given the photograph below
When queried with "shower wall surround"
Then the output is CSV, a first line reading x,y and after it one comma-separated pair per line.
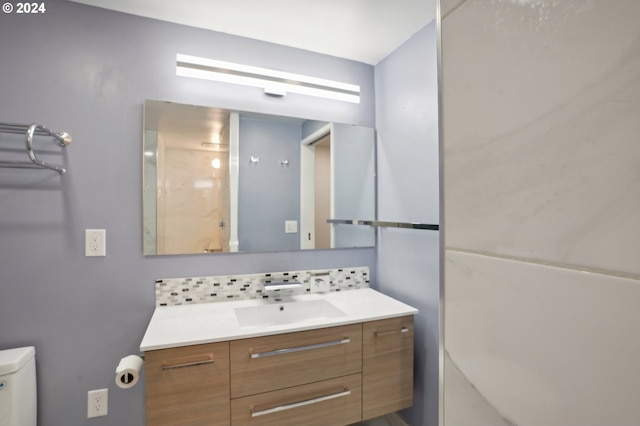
x,y
183,291
541,208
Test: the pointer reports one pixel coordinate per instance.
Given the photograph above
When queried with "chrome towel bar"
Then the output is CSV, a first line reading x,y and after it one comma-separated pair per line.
x,y
61,139
385,224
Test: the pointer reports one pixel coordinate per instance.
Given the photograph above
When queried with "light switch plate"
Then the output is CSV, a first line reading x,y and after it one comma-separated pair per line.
x,y
290,226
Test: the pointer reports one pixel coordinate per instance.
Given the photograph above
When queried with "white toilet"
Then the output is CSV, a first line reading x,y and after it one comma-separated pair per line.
x,y
18,403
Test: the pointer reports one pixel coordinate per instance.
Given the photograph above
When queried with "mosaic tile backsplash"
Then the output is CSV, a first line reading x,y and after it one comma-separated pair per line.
x,y
184,291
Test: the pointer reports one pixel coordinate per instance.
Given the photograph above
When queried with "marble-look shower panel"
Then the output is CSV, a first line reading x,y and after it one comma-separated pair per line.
x,y
542,345
547,156
465,405
192,212
542,293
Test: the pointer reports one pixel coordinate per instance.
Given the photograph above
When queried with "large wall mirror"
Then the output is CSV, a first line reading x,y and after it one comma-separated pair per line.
x,y
218,181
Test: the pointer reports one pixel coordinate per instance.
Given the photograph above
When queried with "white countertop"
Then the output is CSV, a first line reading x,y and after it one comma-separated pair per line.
x,y
173,326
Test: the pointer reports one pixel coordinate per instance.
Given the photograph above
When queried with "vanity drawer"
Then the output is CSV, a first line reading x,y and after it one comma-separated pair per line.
x,y
387,366
329,402
273,362
188,386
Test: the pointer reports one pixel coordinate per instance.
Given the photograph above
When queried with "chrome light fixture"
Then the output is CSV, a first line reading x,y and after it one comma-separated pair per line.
x,y
275,83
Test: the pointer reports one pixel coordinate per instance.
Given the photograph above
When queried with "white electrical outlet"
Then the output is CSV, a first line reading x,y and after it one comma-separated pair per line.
x,y
95,242
97,403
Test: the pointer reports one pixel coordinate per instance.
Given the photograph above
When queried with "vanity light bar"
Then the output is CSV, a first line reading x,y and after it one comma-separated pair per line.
x,y
273,82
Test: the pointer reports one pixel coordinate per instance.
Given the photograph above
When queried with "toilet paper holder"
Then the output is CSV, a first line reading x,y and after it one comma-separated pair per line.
x,y
128,371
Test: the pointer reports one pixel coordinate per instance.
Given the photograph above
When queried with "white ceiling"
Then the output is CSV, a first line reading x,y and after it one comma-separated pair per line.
x,y
361,30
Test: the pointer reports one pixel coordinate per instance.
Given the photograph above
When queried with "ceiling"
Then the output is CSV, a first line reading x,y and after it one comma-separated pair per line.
x,y
361,30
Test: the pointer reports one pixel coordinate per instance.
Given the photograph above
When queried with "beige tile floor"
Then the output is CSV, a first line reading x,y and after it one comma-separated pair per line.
x,y
390,420
380,421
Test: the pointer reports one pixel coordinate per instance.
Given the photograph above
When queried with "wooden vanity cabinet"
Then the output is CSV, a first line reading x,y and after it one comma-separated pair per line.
x,y
263,364
387,366
188,386
329,376
304,378
329,402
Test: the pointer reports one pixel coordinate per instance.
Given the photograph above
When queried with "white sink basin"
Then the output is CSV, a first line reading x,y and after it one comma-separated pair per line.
x,y
286,313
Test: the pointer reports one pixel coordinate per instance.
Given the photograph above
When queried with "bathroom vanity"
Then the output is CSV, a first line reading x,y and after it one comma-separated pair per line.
x,y
344,357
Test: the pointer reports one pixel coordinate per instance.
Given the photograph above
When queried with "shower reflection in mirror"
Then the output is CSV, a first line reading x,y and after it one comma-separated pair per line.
x,y
198,197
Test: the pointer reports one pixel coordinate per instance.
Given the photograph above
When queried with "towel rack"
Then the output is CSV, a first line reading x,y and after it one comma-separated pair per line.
x,y
61,139
386,224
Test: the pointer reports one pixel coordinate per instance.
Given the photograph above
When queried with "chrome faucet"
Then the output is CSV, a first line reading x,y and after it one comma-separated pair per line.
x,y
281,285
321,282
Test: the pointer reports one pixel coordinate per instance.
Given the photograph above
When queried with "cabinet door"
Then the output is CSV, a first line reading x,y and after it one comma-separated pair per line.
x,y
387,366
188,386
263,364
332,402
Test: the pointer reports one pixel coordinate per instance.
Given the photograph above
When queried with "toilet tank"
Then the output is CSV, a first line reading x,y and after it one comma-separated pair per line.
x,y
18,404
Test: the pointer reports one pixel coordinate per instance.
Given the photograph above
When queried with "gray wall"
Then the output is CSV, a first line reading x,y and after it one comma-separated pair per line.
x,y
269,193
87,71
408,182
353,151
310,126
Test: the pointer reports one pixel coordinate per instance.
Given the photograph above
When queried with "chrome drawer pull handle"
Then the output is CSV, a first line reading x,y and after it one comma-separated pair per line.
x,y
187,364
345,392
300,348
385,333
